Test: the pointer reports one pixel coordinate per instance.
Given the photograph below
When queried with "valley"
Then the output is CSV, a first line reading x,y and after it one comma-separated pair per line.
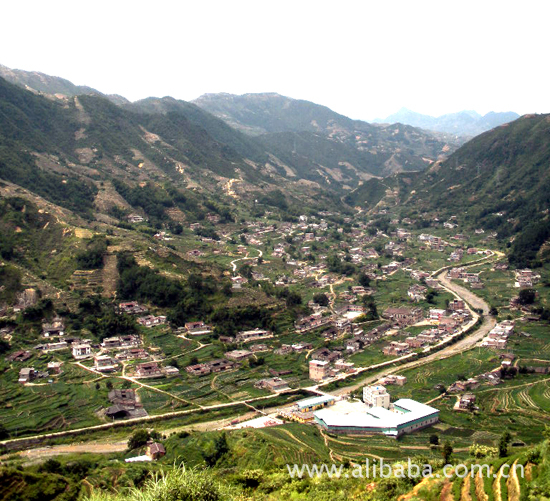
x,y
223,279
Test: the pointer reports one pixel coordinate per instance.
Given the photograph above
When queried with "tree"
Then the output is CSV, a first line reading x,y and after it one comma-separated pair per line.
x,y
246,270
493,311
505,439
434,439
321,299
527,296
3,432
138,439
364,280
293,299
213,454
447,452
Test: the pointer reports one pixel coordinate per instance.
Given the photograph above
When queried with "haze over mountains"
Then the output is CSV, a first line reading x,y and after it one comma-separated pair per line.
x,y
462,123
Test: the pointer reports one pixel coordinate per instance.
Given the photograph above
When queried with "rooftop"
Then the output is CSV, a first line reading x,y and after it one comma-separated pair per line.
x,y
359,415
309,402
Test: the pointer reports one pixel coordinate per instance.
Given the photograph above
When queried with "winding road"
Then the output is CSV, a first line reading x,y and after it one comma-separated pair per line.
x,y
234,262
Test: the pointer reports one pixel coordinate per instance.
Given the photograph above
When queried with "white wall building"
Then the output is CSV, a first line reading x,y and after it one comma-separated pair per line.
x,y
376,396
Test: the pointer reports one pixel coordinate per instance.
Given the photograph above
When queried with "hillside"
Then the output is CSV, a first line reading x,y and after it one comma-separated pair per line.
x,y
65,149
462,123
498,181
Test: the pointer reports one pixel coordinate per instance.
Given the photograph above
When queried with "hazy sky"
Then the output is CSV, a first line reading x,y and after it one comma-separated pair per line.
x,y
364,59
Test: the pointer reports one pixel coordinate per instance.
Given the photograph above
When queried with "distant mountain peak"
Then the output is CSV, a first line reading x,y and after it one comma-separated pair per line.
x,y
463,123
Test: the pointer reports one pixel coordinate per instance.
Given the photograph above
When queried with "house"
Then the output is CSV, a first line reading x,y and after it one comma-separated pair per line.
x,y
318,370
55,367
456,304
436,314
460,386
132,354
151,320
19,356
448,323
55,328
26,375
125,404
104,363
396,348
134,218
155,450
274,384
198,369
325,354
132,308
467,401
417,293
342,365
238,355
81,350
393,379
197,328
148,369
61,345
170,370
257,348
414,342
253,335
121,342
218,365
404,316
376,396
311,322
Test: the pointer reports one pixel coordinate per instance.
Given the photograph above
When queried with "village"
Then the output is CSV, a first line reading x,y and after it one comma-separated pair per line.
x,y
370,298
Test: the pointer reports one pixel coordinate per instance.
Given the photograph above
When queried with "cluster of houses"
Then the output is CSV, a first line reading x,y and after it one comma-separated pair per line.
x,y
326,364
361,340
435,243
151,320
213,366
124,404
498,336
446,322
417,293
526,278
153,369
403,317
462,274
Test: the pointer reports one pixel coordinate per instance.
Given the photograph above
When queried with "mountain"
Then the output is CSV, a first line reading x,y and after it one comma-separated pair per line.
x,y
274,119
463,123
215,127
45,84
499,181
65,149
